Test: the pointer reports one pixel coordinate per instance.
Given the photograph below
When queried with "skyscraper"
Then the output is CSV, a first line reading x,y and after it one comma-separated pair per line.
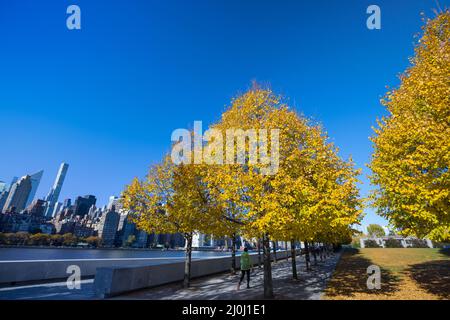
x,y
83,204
35,180
18,194
53,195
3,197
36,208
14,180
114,201
108,227
2,186
67,203
58,207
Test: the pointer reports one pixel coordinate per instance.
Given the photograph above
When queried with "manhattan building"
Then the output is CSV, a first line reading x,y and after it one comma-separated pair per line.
x,y
18,195
53,195
3,196
35,181
108,227
84,204
36,208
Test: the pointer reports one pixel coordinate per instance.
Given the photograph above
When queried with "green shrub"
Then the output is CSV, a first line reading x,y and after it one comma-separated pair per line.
x,y
356,243
56,240
417,243
69,240
2,238
371,244
19,238
94,241
439,244
393,243
39,239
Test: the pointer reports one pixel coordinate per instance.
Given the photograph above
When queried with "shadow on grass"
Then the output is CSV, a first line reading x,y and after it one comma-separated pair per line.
x,y
445,252
433,276
350,277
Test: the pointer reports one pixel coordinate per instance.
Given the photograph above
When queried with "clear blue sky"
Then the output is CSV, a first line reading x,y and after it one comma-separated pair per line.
x,y
106,98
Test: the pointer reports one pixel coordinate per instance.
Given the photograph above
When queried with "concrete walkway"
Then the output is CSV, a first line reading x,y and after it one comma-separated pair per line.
x,y
49,291
310,285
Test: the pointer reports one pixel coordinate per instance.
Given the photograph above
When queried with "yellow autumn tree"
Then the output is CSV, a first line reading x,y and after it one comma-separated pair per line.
x,y
411,158
276,179
172,199
317,193
246,184
227,193
308,188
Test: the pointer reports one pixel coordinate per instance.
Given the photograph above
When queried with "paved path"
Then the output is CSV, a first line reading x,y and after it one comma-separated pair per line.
x,y
222,286
310,285
49,291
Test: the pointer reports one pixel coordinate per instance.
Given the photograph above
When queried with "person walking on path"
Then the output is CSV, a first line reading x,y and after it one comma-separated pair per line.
x,y
245,268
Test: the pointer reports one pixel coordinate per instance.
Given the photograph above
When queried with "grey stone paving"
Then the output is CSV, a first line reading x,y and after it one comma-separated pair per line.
x,y
310,285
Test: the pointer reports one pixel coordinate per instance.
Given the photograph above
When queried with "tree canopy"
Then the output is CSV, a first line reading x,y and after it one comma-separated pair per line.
x,y
411,159
375,230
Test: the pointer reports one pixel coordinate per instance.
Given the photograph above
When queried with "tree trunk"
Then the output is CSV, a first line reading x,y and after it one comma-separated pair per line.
x,y
286,249
226,243
274,251
314,254
259,253
294,263
187,261
268,285
307,258
321,252
233,254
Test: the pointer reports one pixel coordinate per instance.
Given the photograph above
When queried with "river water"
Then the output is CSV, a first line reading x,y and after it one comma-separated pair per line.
x,y
14,254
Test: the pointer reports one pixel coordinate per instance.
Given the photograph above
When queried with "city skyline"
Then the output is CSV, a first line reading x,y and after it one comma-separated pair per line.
x,y
111,199
39,191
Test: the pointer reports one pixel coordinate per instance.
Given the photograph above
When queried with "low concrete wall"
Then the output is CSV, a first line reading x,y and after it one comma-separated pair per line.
x,y
114,281
44,270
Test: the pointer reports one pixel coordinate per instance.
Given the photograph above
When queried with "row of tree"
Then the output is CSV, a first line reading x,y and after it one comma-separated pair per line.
x,y
312,197
43,239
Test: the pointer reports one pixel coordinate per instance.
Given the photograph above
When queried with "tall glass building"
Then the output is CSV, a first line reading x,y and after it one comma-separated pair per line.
x,y
35,180
18,195
2,186
53,195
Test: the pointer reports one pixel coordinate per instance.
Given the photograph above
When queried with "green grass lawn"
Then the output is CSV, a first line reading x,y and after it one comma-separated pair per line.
x,y
406,273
